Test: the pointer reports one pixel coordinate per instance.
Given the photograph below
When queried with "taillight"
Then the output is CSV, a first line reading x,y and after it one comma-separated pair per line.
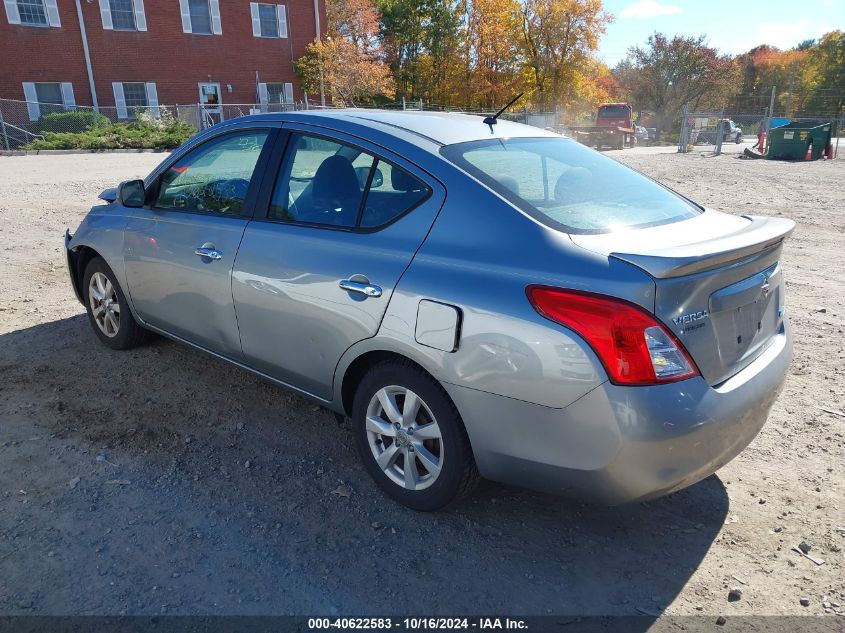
x,y
633,346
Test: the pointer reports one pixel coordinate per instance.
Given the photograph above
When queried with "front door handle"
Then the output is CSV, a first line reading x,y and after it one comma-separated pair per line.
x,y
210,253
367,289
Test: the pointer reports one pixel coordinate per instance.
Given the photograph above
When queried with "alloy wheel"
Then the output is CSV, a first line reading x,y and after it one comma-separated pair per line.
x,y
105,306
404,437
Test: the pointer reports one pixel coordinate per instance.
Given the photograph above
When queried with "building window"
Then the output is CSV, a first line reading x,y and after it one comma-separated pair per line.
x,y
200,16
135,96
51,94
131,96
46,97
269,23
274,97
32,12
122,15
276,93
268,20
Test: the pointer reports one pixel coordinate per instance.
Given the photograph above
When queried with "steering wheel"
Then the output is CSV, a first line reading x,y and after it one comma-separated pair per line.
x,y
218,195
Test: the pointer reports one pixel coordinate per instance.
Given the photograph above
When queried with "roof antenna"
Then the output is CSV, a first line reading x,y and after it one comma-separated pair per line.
x,y
491,120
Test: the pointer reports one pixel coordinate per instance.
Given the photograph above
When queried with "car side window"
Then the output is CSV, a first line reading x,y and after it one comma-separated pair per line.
x,y
319,184
329,183
214,178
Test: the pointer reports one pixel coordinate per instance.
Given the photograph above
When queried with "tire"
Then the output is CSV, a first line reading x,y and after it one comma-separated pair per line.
x,y
455,476
738,139
101,290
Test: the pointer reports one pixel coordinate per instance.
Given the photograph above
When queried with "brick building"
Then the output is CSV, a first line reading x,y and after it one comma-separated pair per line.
x,y
150,52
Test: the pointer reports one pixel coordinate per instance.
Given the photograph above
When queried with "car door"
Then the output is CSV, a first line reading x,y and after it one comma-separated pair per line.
x,y
315,274
179,249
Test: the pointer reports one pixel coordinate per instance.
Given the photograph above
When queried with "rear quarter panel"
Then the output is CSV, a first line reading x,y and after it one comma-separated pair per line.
x,y
480,256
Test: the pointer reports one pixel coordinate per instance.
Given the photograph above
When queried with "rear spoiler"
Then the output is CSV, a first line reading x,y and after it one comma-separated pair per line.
x,y
761,234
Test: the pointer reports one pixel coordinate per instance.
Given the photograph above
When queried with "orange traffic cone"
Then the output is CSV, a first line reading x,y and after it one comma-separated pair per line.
x,y
828,151
809,155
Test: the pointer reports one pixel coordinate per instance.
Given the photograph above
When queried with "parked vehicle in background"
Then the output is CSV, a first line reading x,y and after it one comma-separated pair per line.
x,y
614,128
569,325
730,132
641,134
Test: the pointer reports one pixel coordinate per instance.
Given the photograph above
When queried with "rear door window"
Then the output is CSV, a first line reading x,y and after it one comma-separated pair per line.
x,y
329,183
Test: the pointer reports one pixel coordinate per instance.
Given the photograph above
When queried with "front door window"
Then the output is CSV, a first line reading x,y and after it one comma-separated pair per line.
x,y
215,177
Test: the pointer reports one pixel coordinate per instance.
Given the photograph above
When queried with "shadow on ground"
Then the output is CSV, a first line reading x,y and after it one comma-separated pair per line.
x,y
164,481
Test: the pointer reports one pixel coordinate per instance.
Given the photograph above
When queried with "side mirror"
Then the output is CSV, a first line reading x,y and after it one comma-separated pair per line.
x,y
378,179
132,193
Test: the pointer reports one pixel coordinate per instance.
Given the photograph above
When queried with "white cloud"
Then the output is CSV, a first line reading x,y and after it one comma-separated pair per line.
x,y
783,35
645,9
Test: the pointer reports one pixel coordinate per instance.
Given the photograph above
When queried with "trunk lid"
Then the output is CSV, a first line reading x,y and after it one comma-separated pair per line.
x,y
718,282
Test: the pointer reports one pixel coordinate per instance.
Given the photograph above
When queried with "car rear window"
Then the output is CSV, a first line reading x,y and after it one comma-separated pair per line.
x,y
568,186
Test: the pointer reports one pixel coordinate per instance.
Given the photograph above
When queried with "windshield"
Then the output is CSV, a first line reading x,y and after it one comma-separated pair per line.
x,y
567,186
616,112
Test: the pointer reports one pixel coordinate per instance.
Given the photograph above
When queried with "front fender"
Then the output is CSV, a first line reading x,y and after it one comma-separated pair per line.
x,y
101,233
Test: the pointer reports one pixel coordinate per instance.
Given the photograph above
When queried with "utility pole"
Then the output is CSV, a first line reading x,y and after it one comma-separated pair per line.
x,y
771,112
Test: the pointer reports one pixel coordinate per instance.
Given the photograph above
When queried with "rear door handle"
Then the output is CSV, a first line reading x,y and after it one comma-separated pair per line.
x,y
367,289
210,253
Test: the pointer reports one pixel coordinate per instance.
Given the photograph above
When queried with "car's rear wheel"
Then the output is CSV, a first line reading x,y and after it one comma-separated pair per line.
x,y
107,309
411,438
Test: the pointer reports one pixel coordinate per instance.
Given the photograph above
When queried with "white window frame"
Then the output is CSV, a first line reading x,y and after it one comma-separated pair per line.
x,y
120,99
213,12
51,10
138,8
264,94
33,106
281,20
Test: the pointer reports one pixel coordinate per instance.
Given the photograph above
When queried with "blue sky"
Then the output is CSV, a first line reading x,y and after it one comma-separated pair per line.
x,y
732,26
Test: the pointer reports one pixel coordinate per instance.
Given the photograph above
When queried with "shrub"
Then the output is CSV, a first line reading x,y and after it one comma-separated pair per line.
x,y
145,133
76,121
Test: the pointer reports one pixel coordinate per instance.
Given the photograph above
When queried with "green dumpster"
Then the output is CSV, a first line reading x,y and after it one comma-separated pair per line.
x,y
791,141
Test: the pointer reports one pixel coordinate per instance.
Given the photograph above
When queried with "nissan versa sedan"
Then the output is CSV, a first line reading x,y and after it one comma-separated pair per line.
x,y
481,298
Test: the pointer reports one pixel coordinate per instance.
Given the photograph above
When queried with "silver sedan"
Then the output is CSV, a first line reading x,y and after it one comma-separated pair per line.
x,y
480,298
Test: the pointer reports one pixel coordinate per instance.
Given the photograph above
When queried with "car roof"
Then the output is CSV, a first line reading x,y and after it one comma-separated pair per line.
x,y
438,128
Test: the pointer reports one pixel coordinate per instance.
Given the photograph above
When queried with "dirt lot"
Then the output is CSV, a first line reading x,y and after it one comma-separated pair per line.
x,y
164,481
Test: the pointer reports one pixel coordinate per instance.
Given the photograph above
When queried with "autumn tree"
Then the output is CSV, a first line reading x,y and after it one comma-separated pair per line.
x,y
667,74
347,63
558,39
823,79
492,53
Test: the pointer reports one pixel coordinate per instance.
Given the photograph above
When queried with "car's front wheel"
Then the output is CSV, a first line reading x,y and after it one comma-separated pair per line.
x,y
107,309
411,438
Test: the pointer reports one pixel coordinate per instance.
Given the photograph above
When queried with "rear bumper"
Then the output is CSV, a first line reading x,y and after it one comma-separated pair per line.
x,y
621,444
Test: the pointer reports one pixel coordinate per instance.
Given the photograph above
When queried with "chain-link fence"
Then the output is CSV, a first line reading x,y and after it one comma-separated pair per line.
x,y
22,122
731,132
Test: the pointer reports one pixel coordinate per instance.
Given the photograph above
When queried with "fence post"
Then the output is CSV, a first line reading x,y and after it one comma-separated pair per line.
x,y
6,136
720,133
683,141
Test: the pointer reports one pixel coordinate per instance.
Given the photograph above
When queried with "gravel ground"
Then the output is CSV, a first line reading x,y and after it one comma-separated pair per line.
x,y
163,481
